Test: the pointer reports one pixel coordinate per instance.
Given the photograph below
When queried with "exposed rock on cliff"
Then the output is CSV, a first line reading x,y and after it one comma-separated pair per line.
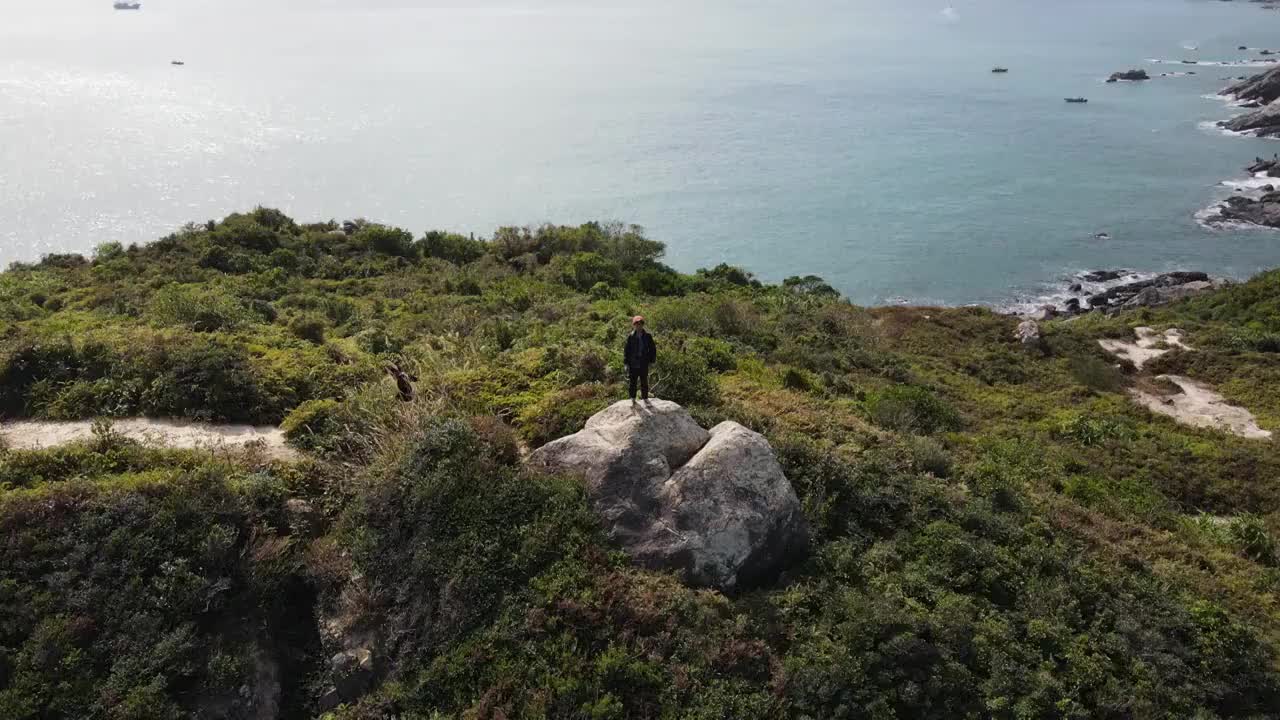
x,y
1164,288
1261,88
713,506
1263,122
1264,211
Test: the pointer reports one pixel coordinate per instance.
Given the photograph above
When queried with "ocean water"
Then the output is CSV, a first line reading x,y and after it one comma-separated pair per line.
x,y
862,140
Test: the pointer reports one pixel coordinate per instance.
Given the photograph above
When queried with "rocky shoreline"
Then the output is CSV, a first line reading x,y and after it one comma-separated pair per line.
x,y
1112,291
1256,203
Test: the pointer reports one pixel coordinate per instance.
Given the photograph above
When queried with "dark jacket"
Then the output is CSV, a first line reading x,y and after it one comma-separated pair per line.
x,y
640,352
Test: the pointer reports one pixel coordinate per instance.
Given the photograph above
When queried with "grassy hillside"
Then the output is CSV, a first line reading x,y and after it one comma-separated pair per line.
x,y
998,532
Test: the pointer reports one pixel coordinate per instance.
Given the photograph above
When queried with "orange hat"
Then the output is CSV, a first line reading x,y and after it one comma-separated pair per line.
x,y
637,319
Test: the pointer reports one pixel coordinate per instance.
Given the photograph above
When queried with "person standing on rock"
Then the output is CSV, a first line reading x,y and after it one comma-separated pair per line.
x,y
640,352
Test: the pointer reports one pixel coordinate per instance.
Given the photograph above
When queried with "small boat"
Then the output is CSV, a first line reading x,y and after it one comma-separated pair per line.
x,y
999,70
125,5
176,62
1101,236
1076,100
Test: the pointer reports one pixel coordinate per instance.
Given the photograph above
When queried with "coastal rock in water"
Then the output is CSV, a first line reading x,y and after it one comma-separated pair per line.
x,y
1263,122
1130,75
1154,295
1261,88
1264,211
713,506
1103,275
1260,165
1158,290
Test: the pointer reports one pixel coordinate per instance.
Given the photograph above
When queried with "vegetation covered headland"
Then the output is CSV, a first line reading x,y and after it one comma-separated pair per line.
x,y
998,525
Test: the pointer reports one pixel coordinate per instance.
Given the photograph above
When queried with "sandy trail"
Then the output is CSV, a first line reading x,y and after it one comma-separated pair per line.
x,y
1148,346
1200,406
37,434
1196,404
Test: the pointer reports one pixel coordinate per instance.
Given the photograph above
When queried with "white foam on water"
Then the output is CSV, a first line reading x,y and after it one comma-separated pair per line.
x,y
1256,182
1268,62
1213,126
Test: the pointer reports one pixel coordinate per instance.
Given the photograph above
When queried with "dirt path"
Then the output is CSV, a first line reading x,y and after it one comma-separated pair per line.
x,y
1195,403
1200,406
36,434
1148,346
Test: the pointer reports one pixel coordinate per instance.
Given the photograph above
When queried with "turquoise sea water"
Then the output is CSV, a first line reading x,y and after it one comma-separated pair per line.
x,y
865,141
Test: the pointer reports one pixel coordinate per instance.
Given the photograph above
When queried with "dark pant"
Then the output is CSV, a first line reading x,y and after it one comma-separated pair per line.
x,y
641,374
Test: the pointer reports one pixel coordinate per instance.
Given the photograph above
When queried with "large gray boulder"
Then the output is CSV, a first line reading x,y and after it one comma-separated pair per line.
x,y
715,507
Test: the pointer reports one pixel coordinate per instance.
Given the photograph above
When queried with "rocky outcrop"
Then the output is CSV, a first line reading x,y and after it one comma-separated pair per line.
x,y
1129,75
1271,168
1102,275
1116,290
1263,210
715,507
1121,295
1262,88
1156,295
1028,333
1263,122
351,637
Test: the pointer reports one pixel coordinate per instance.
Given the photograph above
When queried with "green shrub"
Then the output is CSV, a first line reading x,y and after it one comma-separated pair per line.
x,y
451,532
718,354
310,421
1255,340
684,378
227,260
656,281
929,455
107,251
457,249
1097,375
734,317
200,308
352,428
247,232
600,291
1090,431
911,409
129,600
728,274
309,327
204,381
561,413
809,285
689,314
1251,535
386,240
794,379
583,270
